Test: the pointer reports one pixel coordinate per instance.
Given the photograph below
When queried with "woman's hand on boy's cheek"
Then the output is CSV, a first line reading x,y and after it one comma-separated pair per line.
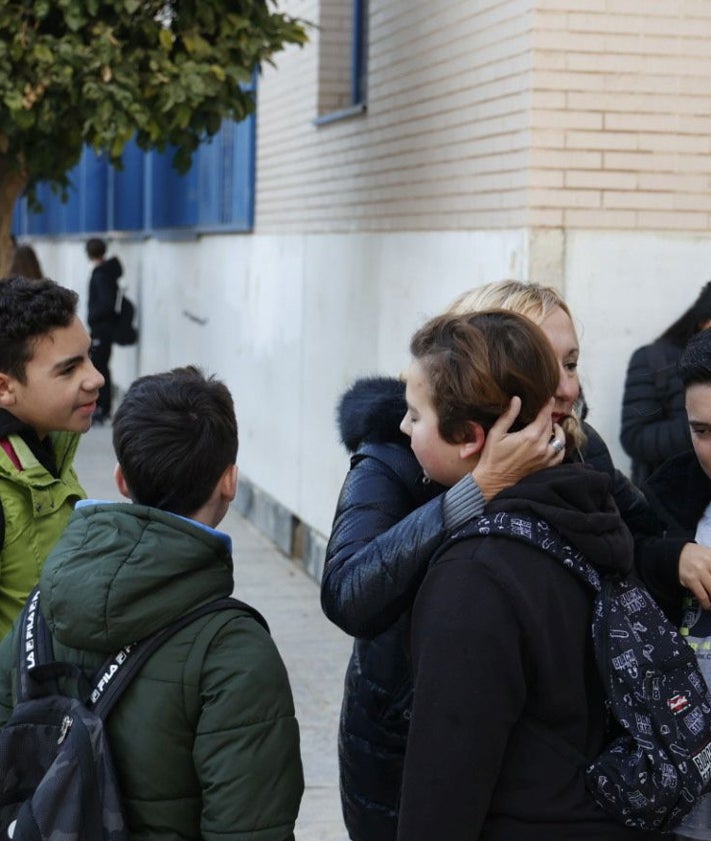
x,y
509,456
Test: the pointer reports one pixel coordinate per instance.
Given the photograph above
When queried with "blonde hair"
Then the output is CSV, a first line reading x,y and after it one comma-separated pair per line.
x,y
534,301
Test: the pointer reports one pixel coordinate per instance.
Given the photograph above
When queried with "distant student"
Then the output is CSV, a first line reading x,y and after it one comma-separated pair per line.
x,y
103,294
204,740
48,393
654,426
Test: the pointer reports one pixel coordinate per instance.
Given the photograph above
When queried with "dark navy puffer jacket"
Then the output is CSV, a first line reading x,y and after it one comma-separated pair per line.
x,y
377,555
654,423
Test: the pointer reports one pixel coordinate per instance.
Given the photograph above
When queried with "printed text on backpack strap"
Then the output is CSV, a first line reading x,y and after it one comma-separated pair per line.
x,y
34,649
536,533
118,671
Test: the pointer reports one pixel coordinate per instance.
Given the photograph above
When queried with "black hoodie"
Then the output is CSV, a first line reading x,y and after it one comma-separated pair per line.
x,y
103,290
678,493
500,637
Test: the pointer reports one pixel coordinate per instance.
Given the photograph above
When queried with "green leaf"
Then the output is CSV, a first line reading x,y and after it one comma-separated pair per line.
x,y
170,80
41,8
24,119
43,53
166,38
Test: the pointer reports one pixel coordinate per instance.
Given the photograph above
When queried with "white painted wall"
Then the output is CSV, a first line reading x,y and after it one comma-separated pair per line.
x,y
624,290
289,321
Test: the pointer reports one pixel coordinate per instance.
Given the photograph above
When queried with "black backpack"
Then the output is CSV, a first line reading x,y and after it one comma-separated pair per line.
x,y
658,764
57,779
124,332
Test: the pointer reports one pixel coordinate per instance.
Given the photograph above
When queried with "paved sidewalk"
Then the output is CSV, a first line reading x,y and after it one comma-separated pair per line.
x,y
315,652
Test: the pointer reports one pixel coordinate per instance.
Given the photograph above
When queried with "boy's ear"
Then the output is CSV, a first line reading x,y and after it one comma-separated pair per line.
x,y
228,483
473,441
120,480
7,390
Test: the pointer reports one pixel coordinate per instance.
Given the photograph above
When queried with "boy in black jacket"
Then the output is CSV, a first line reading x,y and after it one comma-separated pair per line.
x,y
500,636
680,493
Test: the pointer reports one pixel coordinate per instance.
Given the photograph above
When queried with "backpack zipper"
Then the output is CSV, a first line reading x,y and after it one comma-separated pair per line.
x,y
67,722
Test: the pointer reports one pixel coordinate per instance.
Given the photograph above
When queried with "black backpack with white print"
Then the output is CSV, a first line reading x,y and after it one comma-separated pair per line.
x,y
57,779
653,771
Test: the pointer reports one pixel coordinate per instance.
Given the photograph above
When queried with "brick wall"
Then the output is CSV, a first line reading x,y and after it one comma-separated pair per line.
x,y
444,143
622,115
579,114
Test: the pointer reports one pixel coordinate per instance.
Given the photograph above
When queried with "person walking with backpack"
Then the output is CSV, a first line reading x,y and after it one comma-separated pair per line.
x,y
204,740
503,668
654,426
101,317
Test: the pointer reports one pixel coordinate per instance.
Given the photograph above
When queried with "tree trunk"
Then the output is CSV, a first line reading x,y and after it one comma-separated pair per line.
x,y
12,183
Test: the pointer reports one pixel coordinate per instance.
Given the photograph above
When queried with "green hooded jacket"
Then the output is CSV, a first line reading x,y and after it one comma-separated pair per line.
x,y
204,740
36,507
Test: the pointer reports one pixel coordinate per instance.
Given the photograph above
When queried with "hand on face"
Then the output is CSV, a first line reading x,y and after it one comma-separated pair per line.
x,y
509,456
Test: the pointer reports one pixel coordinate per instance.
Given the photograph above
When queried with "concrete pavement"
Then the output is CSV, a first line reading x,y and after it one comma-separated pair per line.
x,y
315,652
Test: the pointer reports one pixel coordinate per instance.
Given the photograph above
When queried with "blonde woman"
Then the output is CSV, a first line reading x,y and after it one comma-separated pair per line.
x,y
390,519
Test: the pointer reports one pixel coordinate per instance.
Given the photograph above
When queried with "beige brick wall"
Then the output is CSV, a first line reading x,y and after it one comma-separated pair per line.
x,y
622,114
444,143
489,114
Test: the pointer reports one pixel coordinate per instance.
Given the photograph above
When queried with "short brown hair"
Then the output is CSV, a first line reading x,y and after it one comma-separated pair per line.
x,y
476,363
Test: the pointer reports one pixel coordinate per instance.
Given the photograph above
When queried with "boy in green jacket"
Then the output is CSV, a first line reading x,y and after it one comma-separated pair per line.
x,y
204,741
48,393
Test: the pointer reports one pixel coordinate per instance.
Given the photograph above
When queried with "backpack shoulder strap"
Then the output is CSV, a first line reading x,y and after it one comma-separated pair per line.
x,y
118,671
35,655
37,669
536,533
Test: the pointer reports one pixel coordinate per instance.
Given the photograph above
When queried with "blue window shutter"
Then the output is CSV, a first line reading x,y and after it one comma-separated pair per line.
x,y
85,208
225,168
19,217
243,180
172,198
89,186
125,191
359,52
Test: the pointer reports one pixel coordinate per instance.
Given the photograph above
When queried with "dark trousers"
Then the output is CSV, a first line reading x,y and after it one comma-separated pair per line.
x,y
100,355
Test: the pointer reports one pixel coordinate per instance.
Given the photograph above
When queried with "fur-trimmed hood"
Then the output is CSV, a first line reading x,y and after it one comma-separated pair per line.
x,y
370,411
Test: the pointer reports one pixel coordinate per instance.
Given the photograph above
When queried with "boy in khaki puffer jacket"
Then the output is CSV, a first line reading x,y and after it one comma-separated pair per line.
x,y
204,740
